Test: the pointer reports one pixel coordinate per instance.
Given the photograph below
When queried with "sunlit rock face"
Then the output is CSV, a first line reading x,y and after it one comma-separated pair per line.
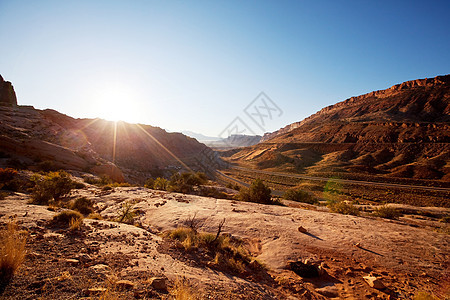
x,y
7,94
402,131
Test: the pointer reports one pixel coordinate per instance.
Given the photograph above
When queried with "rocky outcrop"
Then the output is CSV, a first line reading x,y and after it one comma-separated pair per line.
x,y
415,101
7,94
119,150
403,131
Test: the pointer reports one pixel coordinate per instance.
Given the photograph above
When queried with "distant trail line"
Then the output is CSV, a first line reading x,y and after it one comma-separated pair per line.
x,y
360,182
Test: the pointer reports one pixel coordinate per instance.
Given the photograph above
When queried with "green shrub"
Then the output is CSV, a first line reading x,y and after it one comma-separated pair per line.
x,y
387,212
82,205
149,183
91,180
54,185
66,218
258,192
300,196
344,208
160,184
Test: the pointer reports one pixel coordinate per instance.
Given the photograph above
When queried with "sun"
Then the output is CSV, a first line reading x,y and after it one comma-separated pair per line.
x,y
116,103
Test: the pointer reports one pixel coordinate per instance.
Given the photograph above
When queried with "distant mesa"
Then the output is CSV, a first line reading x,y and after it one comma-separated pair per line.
x,y
402,131
7,93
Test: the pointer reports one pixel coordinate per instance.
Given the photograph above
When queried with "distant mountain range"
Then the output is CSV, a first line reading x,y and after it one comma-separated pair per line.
x,y
403,131
233,141
200,137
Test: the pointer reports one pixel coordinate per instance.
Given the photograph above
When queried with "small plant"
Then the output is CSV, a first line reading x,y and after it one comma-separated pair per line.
x,y
7,174
95,216
344,208
224,252
54,185
12,253
126,214
160,184
8,179
149,183
83,205
300,196
258,192
75,224
66,218
182,290
387,212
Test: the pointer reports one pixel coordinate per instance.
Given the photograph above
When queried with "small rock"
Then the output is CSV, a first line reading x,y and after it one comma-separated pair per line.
x,y
328,291
374,282
302,230
124,284
73,261
95,291
158,283
100,268
84,257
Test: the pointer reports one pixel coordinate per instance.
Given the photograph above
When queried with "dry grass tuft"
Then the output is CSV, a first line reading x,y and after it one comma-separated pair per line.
x,y
182,290
229,254
68,218
387,212
12,252
95,216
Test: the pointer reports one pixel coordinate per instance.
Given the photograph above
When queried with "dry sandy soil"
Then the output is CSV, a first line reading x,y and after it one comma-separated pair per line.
x,y
64,264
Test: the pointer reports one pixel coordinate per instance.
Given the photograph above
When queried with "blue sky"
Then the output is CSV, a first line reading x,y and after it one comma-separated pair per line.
x,y
195,65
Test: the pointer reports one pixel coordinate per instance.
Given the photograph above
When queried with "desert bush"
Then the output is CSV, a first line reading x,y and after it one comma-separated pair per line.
x,y
8,179
7,174
212,192
300,196
66,218
12,252
387,212
53,185
226,253
91,180
258,192
344,208
126,214
83,205
149,183
160,184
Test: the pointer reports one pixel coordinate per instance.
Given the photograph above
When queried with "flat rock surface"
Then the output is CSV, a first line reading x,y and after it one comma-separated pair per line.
x,y
407,259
